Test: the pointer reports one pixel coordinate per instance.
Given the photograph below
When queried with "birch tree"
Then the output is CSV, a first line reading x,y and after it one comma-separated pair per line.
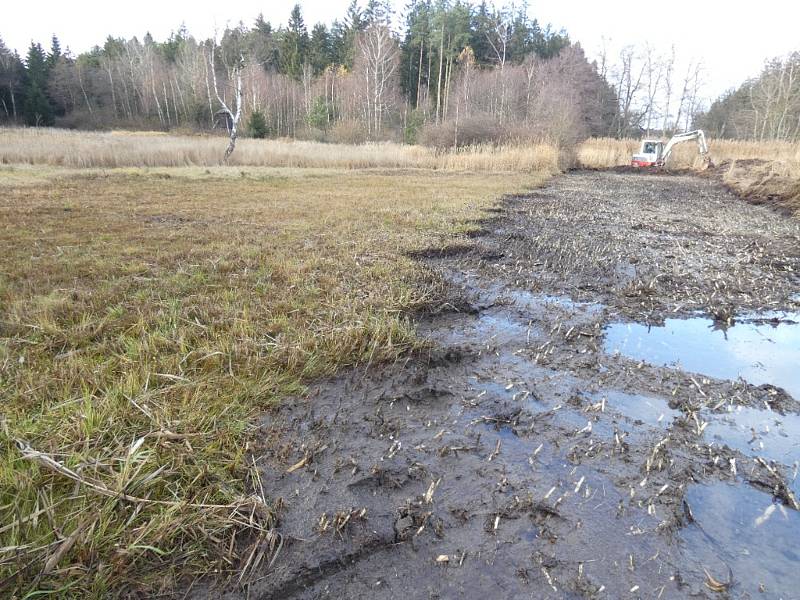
x,y
377,62
232,116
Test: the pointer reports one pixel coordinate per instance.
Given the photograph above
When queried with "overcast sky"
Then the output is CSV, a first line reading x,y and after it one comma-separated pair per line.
x,y
731,40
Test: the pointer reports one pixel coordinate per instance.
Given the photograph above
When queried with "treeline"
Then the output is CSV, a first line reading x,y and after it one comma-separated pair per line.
x,y
764,108
456,73
655,93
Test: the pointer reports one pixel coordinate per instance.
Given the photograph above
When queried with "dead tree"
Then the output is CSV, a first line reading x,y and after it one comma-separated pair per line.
x,y
233,116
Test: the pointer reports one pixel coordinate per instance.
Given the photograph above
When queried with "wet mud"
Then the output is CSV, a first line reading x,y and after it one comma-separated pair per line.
x,y
610,415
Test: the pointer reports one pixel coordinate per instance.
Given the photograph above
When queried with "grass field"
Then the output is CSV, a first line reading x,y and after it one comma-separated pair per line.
x,y
146,317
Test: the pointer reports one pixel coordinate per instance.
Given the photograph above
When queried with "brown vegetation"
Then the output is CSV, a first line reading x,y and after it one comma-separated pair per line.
x,y
119,149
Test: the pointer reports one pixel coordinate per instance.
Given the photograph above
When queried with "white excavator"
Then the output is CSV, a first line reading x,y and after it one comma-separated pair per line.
x,y
655,153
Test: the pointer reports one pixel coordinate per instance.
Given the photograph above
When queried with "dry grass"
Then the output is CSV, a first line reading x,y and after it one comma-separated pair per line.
x,y
147,317
119,149
602,153
763,172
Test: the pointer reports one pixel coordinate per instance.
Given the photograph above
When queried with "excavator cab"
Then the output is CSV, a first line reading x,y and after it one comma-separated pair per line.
x,y
650,154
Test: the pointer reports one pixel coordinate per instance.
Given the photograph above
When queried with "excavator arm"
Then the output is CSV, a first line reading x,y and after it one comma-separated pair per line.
x,y
686,137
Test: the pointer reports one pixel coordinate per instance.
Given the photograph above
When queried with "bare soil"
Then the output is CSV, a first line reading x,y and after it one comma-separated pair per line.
x,y
499,464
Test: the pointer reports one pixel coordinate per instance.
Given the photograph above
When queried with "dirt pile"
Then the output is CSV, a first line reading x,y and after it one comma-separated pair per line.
x,y
762,182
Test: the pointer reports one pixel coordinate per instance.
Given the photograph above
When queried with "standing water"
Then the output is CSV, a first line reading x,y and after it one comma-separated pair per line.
x,y
743,538
761,349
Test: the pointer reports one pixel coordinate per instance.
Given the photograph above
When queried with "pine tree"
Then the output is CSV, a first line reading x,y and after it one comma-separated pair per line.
x,y
521,40
294,48
344,35
257,125
320,52
549,43
378,12
37,108
415,49
55,52
263,45
481,30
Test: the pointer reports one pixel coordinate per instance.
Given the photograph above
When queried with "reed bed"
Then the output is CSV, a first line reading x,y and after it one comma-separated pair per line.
x,y
74,149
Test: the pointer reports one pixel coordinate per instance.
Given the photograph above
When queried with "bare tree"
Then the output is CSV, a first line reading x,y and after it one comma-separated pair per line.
x,y
628,84
7,65
669,69
654,69
232,117
499,40
775,100
378,60
688,103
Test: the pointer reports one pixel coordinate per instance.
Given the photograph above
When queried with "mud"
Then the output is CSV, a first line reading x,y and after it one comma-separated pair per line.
x,y
522,456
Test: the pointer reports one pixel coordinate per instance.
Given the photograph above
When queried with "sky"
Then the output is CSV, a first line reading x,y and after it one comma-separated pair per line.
x,y
731,42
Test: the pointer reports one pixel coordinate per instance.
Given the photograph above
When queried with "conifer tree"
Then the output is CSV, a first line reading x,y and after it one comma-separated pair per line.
x,y
320,51
294,49
37,108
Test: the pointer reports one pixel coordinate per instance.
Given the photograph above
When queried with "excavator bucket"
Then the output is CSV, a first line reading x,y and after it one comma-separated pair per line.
x,y
706,163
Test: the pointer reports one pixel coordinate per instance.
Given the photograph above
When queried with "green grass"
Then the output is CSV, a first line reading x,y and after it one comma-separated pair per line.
x,y
146,318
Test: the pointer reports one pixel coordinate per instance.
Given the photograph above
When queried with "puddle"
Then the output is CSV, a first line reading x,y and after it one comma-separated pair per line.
x,y
756,432
529,300
761,349
650,410
491,327
739,528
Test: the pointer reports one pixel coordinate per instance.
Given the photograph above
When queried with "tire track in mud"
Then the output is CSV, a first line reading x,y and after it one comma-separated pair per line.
x,y
517,458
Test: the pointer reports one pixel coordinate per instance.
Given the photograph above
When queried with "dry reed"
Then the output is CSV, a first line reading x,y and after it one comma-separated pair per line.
x,y
64,148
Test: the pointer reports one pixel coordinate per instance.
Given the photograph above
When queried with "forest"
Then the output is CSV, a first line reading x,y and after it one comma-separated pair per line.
x,y
764,108
354,80
444,73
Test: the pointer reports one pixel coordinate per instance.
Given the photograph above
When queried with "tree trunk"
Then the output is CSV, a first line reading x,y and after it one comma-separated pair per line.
x,y
439,78
13,101
419,71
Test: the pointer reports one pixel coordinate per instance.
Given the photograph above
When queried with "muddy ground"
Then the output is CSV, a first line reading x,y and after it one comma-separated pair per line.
x,y
521,456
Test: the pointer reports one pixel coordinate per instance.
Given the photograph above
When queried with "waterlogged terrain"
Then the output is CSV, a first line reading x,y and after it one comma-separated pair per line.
x,y
741,533
607,409
758,347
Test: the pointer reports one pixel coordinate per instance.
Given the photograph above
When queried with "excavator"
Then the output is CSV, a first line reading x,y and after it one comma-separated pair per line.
x,y
655,153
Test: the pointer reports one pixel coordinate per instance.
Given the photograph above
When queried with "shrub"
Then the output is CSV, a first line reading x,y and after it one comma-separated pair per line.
x,y
470,131
348,132
413,125
311,134
321,114
257,125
